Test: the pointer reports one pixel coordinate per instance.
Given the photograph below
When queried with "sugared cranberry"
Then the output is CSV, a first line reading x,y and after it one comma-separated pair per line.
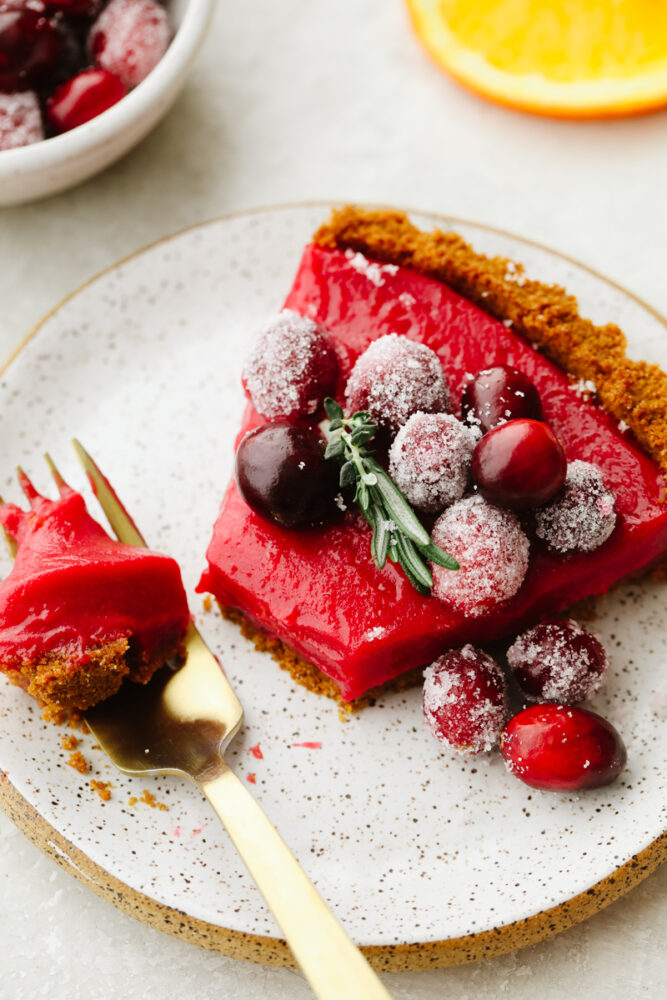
x,y
394,378
497,395
430,460
282,474
292,367
129,38
31,47
465,700
20,120
519,465
582,515
492,552
562,749
558,661
83,97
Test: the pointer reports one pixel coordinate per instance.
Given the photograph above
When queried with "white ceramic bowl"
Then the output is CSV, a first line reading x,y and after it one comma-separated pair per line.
x,y
46,167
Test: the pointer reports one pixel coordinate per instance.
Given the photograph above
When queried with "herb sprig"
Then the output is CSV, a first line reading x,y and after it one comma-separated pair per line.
x,y
398,534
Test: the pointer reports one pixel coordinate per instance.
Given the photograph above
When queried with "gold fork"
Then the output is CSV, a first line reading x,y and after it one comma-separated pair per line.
x,y
180,723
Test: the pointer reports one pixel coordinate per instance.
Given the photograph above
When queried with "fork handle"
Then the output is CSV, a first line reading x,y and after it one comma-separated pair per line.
x,y
332,964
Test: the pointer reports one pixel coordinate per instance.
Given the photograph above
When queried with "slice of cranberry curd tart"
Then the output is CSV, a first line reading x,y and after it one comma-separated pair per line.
x,y
80,611
436,451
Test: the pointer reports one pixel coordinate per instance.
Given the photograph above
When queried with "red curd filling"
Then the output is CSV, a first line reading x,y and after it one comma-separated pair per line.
x,y
319,592
72,588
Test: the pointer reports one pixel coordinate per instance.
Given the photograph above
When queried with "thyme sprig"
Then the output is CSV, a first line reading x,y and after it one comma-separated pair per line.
x,y
398,534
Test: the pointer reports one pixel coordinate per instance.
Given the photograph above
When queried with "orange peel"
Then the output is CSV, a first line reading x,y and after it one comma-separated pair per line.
x,y
565,58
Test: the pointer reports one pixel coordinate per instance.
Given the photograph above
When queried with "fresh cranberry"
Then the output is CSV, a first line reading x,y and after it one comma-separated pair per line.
x,y
31,47
519,465
582,516
394,378
562,749
497,395
558,661
465,700
83,97
491,549
129,38
282,474
292,367
430,460
20,120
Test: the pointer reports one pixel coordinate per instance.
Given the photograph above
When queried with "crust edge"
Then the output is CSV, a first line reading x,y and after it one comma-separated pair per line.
x,y
634,392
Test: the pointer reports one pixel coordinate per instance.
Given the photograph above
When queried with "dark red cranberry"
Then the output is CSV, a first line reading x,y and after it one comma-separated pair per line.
x,y
282,474
558,661
83,97
519,465
31,48
497,395
562,749
465,700
86,8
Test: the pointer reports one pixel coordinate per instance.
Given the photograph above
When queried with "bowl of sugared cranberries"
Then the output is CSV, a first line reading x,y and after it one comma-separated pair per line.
x,y
83,81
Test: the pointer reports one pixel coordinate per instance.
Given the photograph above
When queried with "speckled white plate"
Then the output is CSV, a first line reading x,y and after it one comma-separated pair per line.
x,y
425,858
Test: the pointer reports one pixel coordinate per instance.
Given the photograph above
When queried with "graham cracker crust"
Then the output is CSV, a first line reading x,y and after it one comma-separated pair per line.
x,y
546,315
64,690
307,674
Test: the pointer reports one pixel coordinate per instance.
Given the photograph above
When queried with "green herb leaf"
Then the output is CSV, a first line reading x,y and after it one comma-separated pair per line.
x,y
360,435
411,562
333,410
335,448
396,531
398,507
437,555
381,536
348,475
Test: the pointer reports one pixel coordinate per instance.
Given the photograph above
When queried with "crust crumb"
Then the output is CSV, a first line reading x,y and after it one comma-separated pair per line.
x,y
150,800
546,315
102,788
78,762
69,742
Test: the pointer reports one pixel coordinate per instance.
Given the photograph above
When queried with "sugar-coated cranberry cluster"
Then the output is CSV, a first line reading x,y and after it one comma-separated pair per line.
x,y
553,745
477,475
490,479
63,62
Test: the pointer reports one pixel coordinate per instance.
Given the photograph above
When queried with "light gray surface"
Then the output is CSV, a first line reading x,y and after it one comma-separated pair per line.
x,y
336,100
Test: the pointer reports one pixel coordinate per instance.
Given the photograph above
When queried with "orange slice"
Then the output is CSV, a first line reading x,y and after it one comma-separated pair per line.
x,y
570,58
